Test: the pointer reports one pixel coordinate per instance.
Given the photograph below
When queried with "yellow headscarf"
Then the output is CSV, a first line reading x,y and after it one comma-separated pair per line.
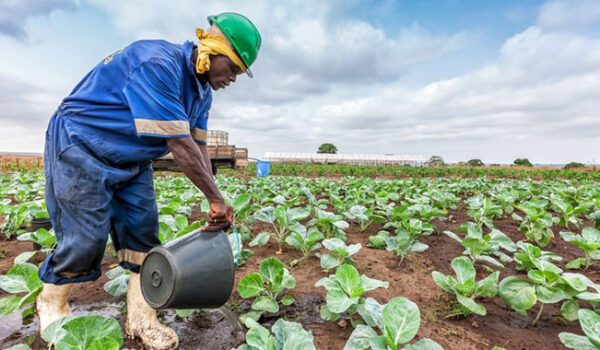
x,y
214,43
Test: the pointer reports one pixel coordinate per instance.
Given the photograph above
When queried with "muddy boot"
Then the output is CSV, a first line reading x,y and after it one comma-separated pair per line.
x,y
53,303
142,321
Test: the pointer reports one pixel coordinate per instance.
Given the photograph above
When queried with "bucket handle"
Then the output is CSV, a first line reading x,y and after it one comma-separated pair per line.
x,y
239,245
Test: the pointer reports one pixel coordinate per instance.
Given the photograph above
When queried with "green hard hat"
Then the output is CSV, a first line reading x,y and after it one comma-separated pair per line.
x,y
242,34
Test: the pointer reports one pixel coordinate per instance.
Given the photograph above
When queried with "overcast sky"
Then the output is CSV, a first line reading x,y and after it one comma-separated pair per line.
x,y
494,80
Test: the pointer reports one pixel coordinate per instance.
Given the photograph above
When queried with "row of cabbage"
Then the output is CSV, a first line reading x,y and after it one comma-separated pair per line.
x,y
398,171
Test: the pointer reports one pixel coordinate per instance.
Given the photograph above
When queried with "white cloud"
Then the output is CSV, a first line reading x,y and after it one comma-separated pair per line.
x,y
305,51
24,115
22,101
15,13
544,88
569,14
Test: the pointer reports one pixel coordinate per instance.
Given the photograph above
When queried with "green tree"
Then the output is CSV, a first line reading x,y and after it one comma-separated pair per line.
x,y
573,165
475,162
435,161
522,162
327,148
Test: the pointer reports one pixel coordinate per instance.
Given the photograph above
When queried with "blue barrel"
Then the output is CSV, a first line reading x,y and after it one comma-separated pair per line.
x,y
262,168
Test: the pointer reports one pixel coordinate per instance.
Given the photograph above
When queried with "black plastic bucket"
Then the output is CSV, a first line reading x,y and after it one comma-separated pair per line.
x,y
192,272
38,223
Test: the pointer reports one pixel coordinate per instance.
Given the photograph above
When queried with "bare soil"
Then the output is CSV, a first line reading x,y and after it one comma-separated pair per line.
x,y
219,329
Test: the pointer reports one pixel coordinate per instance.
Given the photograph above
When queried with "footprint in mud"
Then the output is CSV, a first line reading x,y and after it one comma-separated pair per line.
x,y
208,329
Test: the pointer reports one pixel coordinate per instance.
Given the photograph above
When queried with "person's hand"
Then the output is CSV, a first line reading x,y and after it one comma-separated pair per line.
x,y
220,216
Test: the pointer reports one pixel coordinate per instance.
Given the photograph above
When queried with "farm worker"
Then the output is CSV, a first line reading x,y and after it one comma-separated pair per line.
x,y
136,105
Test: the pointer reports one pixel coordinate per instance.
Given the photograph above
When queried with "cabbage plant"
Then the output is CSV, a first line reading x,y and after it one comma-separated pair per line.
x,y
119,281
283,220
378,241
24,285
284,335
480,247
589,243
331,224
84,332
265,286
537,223
304,241
590,324
483,210
569,214
396,325
405,241
403,244
18,215
465,288
528,256
547,284
346,292
172,226
46,239
339,253
362,215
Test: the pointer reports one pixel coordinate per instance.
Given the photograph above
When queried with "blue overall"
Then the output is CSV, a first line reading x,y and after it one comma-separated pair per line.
x,y
99,148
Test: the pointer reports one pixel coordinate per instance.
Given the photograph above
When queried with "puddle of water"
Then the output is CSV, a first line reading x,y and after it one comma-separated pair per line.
x,y
10,323
14,331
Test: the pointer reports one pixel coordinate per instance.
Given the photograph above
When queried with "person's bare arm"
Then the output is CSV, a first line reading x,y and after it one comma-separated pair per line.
x,y
207,163
189,158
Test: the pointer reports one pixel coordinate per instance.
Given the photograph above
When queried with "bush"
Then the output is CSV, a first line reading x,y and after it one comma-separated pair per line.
x,y
573,165
522,162
475,162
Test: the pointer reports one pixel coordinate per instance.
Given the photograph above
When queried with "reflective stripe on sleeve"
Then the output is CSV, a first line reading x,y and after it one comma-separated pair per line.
x,y
199,134
162,127
131,256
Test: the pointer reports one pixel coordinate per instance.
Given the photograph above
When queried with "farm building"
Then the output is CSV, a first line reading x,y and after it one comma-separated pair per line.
x,y
351,159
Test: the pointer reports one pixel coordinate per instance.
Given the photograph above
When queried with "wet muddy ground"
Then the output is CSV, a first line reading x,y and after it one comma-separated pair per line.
x,y
219,329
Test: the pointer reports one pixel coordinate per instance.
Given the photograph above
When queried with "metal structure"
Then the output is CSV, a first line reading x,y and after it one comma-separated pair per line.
x,y
222,155
217,138
349,159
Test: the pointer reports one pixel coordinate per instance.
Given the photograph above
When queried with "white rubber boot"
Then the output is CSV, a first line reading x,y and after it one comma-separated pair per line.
x,y
142,321
53,303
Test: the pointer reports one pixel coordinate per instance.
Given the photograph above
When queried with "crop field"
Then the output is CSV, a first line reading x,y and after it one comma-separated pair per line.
x,y
15,162
468,261
397,171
